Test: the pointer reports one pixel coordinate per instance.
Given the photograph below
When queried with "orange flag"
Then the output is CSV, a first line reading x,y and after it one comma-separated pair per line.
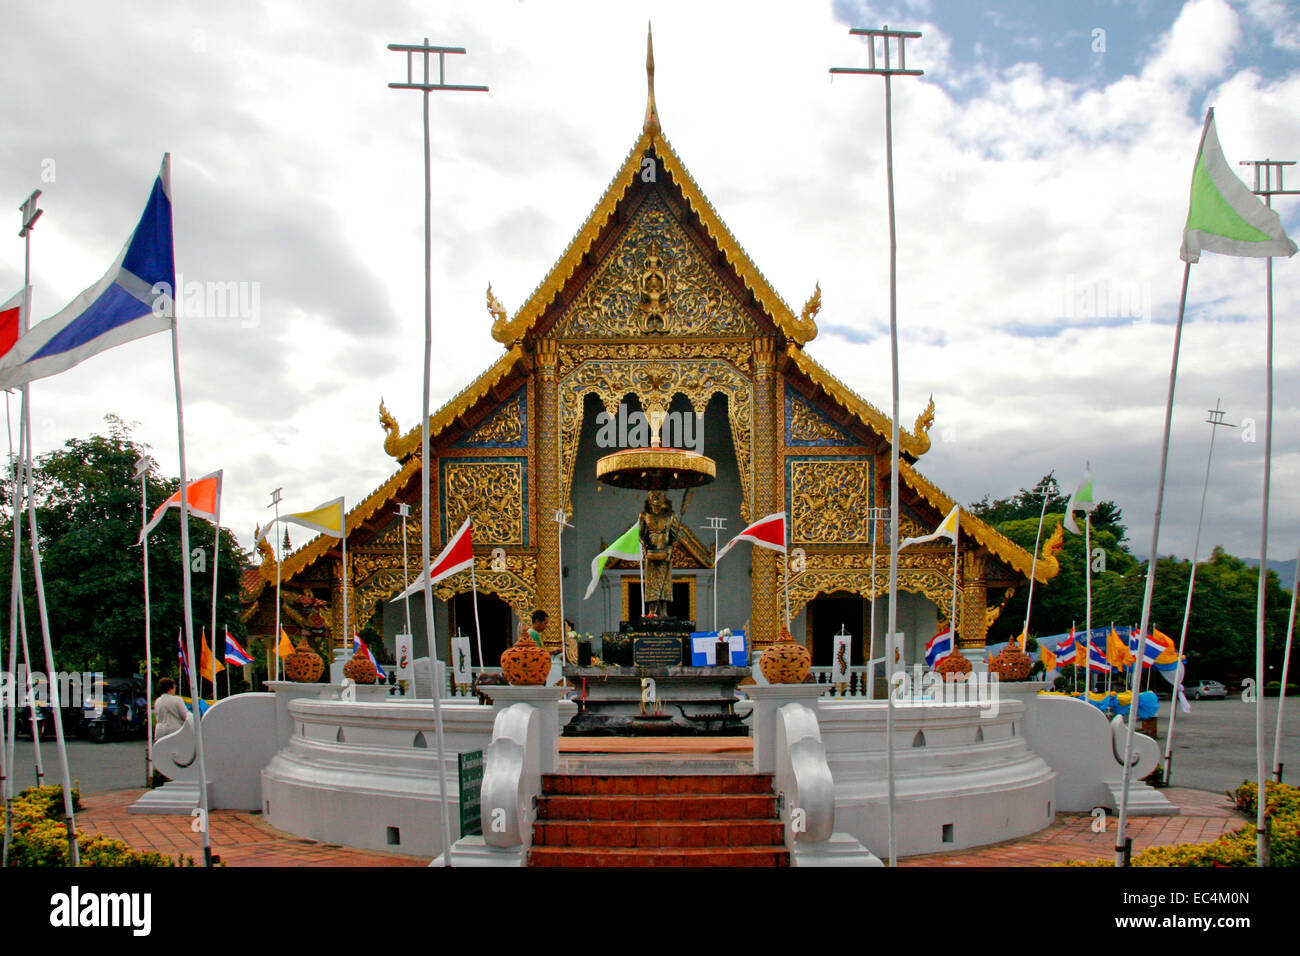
x,y
204,496
207,661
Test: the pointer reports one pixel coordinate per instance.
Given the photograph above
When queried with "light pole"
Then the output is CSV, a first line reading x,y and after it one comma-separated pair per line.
x,y
426,87
715,525
888,71
1214,421
1264,186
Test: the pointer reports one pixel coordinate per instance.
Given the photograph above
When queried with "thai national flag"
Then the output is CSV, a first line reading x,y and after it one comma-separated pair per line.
x,y
1066,650
180,653
133,299
1097,660
235,653
1155,646
359,647
938,647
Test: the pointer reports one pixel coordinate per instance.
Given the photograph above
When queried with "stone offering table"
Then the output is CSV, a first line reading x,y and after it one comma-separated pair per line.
x,y
693,701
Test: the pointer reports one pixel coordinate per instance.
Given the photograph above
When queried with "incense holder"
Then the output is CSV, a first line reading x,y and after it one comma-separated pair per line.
x,y
360,670
304,665
526,663
785,662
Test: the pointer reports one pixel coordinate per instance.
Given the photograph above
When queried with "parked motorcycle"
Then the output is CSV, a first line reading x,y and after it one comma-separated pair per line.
x,y
122,713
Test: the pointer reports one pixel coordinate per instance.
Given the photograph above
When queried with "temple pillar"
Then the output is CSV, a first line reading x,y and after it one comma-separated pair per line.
x,y
972,615
768,602
548,488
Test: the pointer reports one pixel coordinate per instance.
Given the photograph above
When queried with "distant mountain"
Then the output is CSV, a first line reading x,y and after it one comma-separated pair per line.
x,y
1285,570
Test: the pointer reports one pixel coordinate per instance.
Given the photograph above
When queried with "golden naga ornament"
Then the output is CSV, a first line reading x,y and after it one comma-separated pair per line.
x,y
526,663
785,662
805,330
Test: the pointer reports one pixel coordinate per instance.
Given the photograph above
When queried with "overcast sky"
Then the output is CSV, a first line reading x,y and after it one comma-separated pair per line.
x,y
1042,169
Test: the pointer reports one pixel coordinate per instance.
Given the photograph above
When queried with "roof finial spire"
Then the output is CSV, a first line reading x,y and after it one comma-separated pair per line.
x,y
651,124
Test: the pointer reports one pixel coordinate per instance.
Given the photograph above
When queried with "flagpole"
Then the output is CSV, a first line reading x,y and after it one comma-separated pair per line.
x,y
186,585
1033,567
426,87
216,553
30,215
952,617
279,557
1122,831
18,628
349,638
7,725
142,469
1286,666
1087,565
404,512
478,632
1261,832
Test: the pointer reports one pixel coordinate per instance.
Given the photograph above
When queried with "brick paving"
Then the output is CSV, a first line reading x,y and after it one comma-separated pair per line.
x,y
244,839
238,838
1205,816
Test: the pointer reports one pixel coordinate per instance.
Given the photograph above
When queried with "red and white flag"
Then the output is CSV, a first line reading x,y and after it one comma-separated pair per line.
x,y
11,321
457,556
766,532
204,501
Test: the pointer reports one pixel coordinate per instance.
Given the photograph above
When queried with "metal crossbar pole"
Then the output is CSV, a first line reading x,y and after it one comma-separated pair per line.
x,y
426,87
888,38
1214,421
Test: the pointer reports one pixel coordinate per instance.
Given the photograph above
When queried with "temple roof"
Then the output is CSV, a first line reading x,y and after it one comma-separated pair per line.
x,y
798,330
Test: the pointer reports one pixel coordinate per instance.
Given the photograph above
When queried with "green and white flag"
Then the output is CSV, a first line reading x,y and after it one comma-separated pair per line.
x,y
628,547
1224,216
1081,500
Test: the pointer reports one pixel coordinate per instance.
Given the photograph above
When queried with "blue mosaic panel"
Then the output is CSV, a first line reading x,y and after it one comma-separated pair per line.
x,y
807,425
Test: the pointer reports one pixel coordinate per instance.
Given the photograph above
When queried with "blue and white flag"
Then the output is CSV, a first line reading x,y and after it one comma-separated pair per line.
x,y
132,300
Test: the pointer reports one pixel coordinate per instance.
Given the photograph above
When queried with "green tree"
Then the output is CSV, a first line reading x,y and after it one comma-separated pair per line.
x,y
1221,632
88,514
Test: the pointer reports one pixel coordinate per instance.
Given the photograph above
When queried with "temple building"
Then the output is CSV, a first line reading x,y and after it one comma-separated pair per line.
x,y
654,306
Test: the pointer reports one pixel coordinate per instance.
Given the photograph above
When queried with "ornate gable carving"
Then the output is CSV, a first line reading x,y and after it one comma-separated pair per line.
x,y
655,282
506,427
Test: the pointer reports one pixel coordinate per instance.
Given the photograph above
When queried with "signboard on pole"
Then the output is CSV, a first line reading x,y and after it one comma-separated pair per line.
x,y
843,654
405,659
460,660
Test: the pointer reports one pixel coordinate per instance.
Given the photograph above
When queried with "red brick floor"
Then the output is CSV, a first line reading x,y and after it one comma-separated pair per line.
x,y
243,839
238,838
1204,817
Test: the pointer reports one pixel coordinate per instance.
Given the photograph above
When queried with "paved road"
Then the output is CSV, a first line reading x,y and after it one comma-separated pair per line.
x,y
1214,745
116,765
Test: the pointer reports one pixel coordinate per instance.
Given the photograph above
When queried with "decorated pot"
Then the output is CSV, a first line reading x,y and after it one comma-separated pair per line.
x,y
785,662
955,667
360,670
1011,663
304,665
526,662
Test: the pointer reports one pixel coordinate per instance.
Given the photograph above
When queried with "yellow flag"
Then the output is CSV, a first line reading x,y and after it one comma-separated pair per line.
x,y
1117,651
1049,659
207,661
326,518
286,645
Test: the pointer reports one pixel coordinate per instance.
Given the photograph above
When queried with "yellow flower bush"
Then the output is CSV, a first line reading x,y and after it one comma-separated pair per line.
x,y
40,836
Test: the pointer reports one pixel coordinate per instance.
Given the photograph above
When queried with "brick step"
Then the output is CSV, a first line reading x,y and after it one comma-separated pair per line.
x,y
657,807
617,835
626,784
681,856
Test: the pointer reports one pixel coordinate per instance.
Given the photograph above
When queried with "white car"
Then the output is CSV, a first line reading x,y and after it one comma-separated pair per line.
x,y
1200,689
